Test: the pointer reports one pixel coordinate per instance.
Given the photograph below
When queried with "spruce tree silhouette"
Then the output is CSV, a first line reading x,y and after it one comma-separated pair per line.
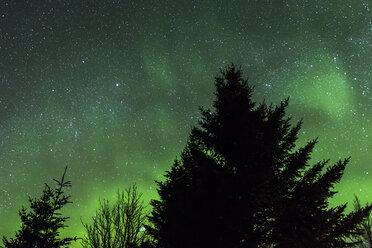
x,y
40,226
240,182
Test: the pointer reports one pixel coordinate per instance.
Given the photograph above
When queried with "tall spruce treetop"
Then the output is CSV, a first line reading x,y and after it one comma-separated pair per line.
x,y
241,182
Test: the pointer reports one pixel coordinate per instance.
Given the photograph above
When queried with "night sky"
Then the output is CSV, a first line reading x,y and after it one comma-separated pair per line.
x,y
111,89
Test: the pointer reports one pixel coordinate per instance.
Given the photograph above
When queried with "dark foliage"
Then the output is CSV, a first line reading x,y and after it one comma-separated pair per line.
x,y
120,225
365,238
41,225
147,244
241,182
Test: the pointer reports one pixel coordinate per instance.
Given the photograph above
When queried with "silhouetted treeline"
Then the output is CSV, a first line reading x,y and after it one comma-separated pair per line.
x,y
240,182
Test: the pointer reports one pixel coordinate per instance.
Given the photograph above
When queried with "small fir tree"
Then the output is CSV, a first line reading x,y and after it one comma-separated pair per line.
x,y
41,225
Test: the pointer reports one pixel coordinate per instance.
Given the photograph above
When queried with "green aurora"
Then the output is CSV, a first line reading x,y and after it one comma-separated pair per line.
x,y
111,89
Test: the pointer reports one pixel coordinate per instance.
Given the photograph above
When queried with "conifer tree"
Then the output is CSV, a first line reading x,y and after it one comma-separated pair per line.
x,y
41,225
241,182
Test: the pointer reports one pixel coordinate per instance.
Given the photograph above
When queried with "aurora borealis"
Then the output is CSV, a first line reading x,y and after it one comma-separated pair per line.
x,y
111,88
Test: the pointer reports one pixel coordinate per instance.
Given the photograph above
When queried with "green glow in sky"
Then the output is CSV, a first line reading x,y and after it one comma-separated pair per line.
x,y
112,88
325,88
